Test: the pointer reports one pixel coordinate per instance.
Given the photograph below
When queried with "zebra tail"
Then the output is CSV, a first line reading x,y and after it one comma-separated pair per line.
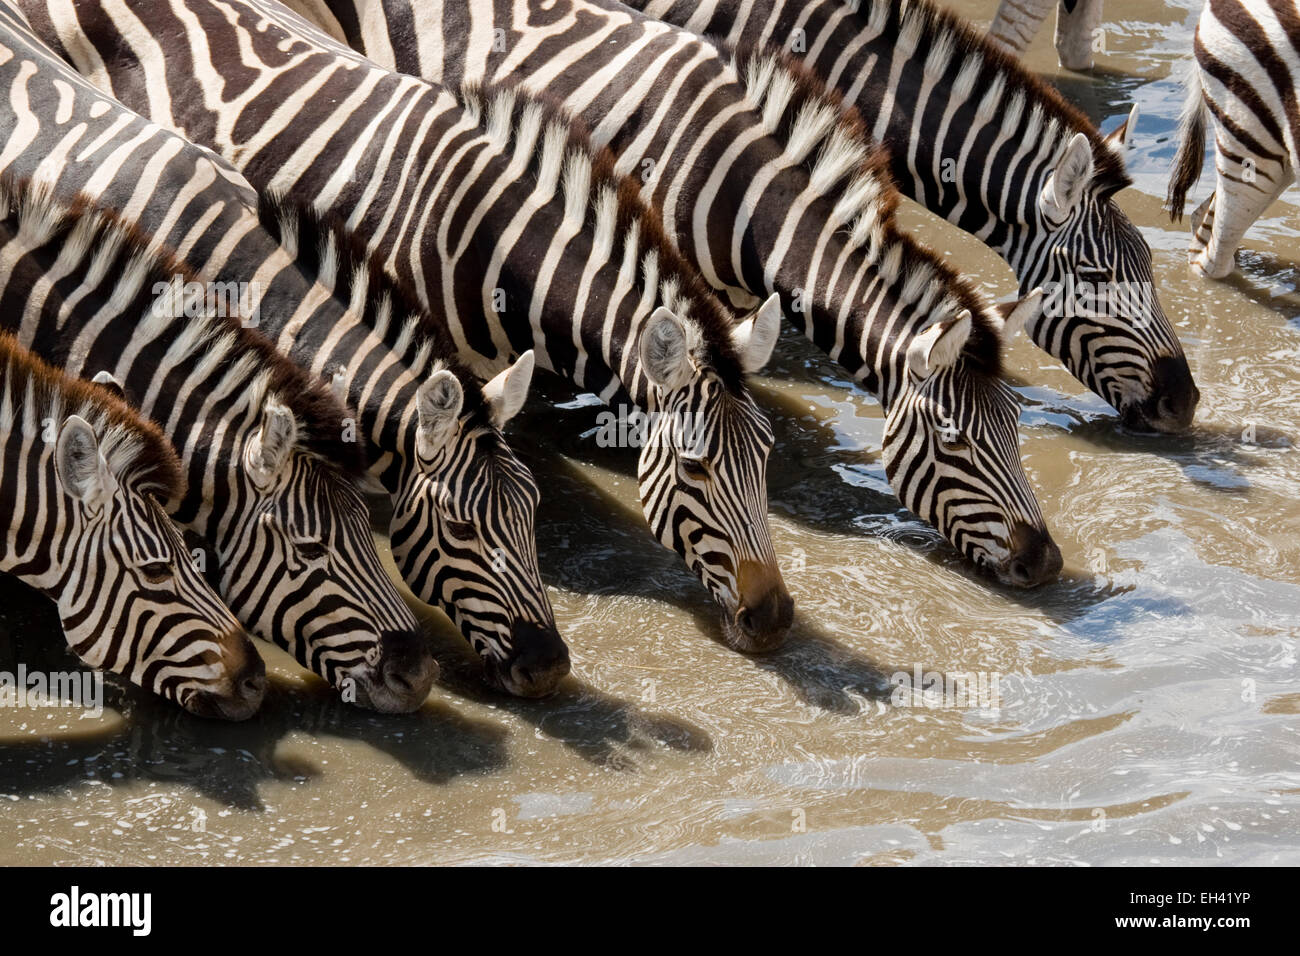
x,y
1191,147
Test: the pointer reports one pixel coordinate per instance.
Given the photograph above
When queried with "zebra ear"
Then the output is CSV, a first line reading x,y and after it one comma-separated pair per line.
x,y
664,354
506,393
438,403
269,448
80,465
111,382
756,336
938,346
1064,187
1121,137
1016,314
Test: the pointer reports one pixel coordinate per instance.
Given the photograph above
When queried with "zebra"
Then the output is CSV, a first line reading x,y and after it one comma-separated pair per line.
x,y
280,509
81,481
643,330
952,108
951,447
1246,75
462,505
462,528
1077,21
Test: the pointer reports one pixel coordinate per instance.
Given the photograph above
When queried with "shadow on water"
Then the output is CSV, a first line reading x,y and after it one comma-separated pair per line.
x,y
1269,280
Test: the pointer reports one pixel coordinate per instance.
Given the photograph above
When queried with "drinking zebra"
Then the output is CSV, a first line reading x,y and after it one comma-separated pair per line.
x,y
462,515
517,205
296,561
767,189
978,140
81,481
1247,76
1077,21
271,478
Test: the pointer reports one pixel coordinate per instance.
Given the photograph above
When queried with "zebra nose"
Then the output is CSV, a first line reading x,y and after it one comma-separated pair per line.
x,y
245,688
1174,396
406,673
539,662
1035,559
766,609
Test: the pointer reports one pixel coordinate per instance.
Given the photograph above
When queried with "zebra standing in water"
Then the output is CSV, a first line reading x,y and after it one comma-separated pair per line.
x,y
81,478
978,140
761,199
1247,76
1017,21
290,530
518,204
463,506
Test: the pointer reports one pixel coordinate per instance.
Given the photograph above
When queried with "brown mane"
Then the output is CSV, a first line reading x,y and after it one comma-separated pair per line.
x,y
984,347
137,452
319,414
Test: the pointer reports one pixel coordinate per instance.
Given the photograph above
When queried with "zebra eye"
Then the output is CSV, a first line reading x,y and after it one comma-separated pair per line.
x,y
462,530
311,550
695,468
156,572
953,442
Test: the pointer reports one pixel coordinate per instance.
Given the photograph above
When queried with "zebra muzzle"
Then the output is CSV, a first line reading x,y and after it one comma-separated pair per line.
x,y
400,681
243,689
765,611
538,661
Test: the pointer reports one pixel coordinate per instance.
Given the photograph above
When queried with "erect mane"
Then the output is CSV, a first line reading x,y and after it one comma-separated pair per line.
x,y
33,391
990,75
829,139
251,366
557,149
329,253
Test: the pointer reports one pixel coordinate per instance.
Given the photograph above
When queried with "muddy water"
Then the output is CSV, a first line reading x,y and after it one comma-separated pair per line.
x,y
1148,707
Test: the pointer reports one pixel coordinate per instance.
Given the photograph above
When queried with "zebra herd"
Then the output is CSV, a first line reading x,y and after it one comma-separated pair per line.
x,y
416,202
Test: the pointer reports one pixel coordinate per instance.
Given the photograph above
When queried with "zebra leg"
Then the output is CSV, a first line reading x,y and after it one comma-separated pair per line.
x,y
1076,22
1245,186
1016,23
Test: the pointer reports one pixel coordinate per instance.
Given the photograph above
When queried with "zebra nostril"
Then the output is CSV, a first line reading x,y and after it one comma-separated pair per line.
x,y
746,620
1019,573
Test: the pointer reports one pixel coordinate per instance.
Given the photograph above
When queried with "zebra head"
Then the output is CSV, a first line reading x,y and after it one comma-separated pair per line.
x,y
299,566
462,528
128,594
1100,316
952,454
703,471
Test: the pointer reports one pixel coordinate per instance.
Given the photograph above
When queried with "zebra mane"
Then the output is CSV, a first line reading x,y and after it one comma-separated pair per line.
x,y
336,258
253,370
33,392
831,141
555,145
998,79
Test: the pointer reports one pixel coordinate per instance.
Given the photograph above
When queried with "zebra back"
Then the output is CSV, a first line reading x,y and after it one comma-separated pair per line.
x,y
767,187
711,509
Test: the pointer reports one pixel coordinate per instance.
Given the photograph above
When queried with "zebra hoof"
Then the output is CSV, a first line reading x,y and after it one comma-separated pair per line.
x,y
1202,266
